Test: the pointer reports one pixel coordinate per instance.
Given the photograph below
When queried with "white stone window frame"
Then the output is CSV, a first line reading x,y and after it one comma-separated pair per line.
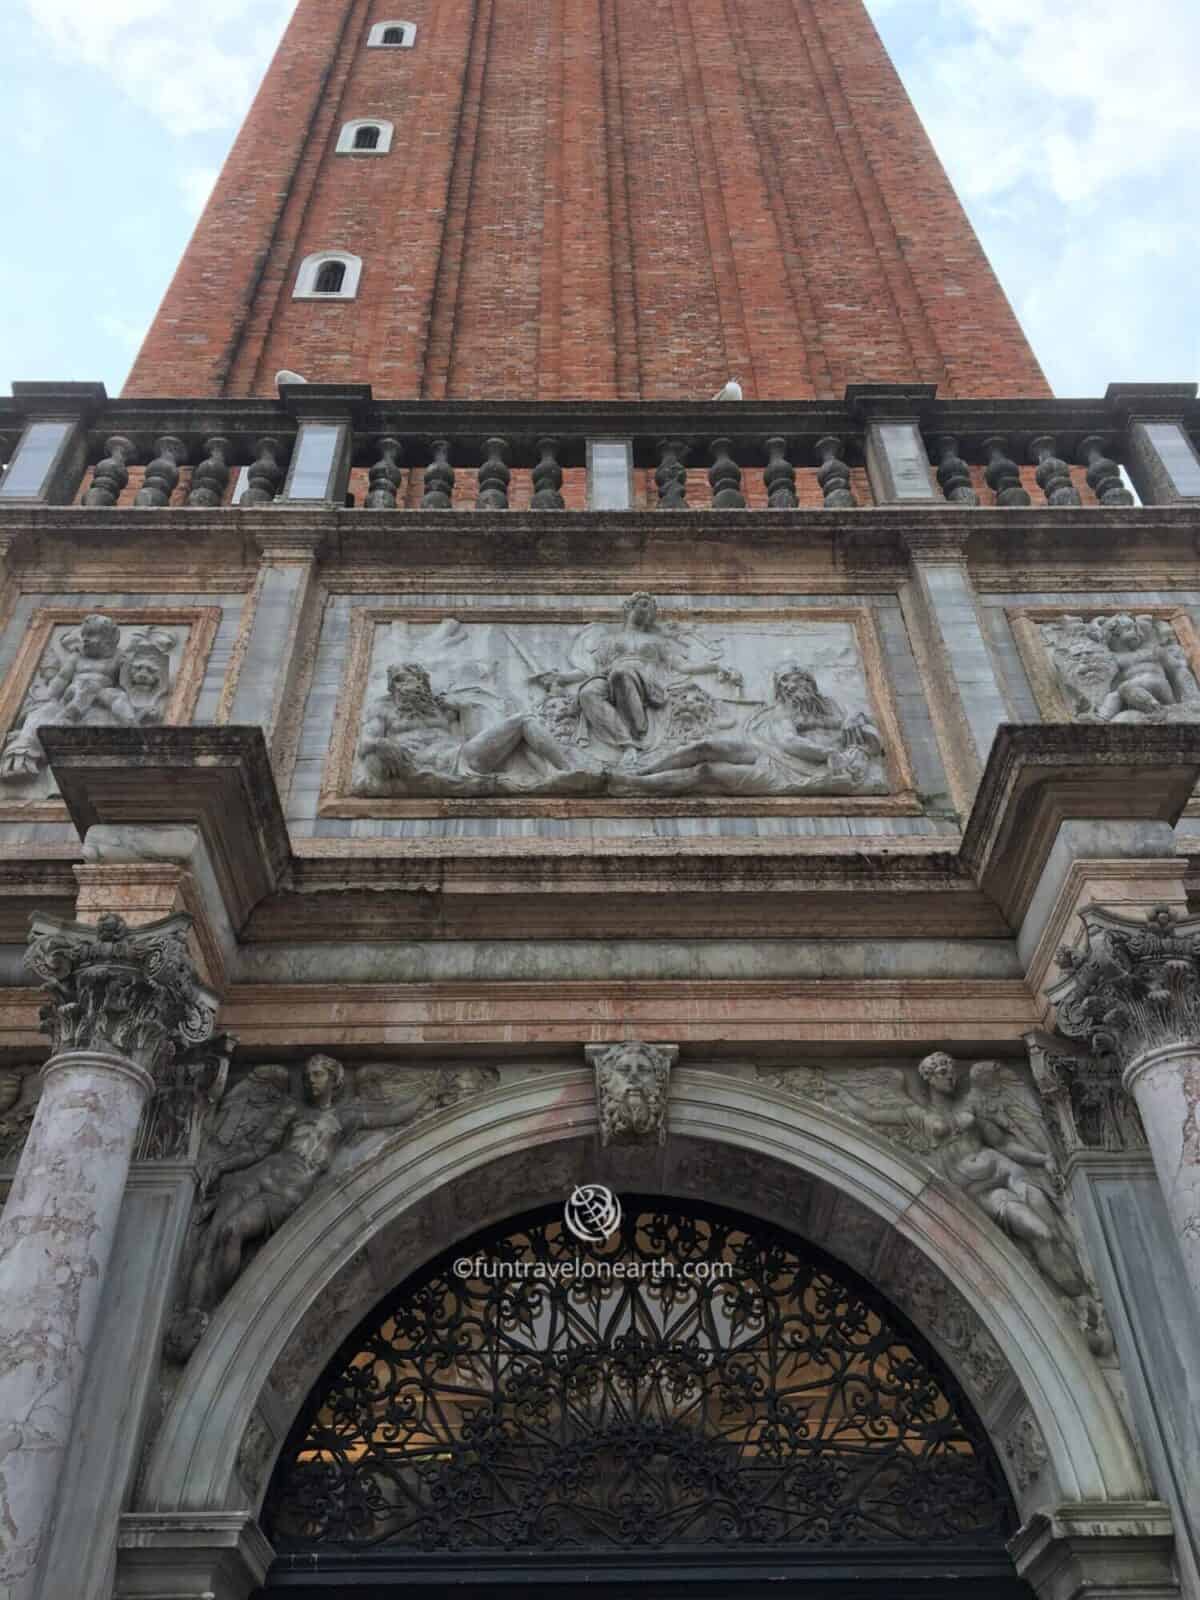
x,y
306,278
376,40
345,144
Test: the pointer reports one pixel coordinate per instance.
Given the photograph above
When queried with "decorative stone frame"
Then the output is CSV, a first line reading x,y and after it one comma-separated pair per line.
x,y
1006,1336
201,622
306,277
345,144
336,799
376,40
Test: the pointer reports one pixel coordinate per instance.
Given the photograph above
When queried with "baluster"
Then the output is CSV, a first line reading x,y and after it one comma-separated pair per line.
x,y
493,477
112,474
264,475
383,480
439,479
1053,474
1003,476
779,477
953,473
725,476
670,475
833,474
211,477
547,478
1103,474
162,475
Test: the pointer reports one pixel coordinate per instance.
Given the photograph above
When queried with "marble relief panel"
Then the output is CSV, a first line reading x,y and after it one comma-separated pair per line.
x,y
1109,664
507,709
121,667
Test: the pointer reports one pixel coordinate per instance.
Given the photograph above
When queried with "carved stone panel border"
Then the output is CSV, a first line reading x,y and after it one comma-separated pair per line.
x,y
338,800
201,622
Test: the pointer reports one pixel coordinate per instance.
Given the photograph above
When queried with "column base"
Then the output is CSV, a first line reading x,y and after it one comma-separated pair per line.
x,y
1098,1549
190,1555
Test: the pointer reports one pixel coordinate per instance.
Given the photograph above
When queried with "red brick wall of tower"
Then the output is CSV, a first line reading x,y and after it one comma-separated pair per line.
x,y
589,199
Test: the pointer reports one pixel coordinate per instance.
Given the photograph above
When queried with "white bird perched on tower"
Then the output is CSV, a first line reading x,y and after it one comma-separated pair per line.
x,y
731,391
285,376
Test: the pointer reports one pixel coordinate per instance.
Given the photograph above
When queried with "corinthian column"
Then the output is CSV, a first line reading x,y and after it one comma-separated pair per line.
x,y
123,1004
1133,993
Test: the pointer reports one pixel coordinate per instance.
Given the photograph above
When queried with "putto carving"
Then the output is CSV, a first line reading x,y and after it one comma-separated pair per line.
x,y
1132,986
93,680
631,1087
19,1093
132,992
982,1130
640,707
1123,668
1089,1108
267,1151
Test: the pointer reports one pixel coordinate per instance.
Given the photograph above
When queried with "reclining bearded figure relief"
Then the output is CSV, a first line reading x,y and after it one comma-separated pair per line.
x,y
642,707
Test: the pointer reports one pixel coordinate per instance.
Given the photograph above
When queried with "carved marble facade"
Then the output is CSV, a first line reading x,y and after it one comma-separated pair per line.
x,y
632,1084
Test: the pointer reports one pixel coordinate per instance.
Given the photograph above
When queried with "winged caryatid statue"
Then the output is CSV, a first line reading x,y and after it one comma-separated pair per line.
x,y
266,1154
983,1132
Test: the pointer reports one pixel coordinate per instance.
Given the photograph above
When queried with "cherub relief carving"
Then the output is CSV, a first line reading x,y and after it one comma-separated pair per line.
x,y
982,1130
267,1152
627,715
1123,668
97,683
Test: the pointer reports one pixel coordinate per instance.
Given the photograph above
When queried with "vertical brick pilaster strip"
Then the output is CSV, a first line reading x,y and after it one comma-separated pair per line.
x,y
730,347
798,366
627,340
548,374
444,307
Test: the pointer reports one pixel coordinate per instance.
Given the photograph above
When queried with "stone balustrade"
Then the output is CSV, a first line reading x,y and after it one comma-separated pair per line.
x,y
324,444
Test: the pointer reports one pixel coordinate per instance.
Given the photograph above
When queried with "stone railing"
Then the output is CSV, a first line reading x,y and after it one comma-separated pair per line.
x,y
335,445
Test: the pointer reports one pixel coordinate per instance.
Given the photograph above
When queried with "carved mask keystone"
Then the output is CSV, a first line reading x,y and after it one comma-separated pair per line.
x,y
631,1087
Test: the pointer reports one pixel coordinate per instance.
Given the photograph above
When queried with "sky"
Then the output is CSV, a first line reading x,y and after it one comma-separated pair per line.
x,y
1070,132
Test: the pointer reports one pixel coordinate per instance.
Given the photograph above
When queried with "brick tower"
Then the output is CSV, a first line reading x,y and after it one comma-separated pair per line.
x,y
613,199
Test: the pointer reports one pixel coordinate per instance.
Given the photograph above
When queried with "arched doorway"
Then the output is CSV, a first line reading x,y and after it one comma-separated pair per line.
x,y
703,1400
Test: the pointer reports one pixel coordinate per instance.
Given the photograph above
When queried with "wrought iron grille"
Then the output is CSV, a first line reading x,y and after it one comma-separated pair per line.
x,y
780,1406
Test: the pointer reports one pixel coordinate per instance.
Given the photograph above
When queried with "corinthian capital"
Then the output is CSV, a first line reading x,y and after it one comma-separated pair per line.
x,y
131,992
1134,986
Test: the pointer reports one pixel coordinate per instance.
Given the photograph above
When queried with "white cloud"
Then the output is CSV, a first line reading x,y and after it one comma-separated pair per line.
x,y
194,68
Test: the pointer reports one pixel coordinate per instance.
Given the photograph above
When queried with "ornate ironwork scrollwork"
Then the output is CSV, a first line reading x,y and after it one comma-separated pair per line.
x,y
782,1406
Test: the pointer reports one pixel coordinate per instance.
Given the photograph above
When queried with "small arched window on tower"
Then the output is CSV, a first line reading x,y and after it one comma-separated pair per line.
x,y
370,136
392,36
328,275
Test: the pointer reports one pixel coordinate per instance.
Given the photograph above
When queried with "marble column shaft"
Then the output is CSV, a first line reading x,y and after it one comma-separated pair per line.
x,y
55,1238
1165,1084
